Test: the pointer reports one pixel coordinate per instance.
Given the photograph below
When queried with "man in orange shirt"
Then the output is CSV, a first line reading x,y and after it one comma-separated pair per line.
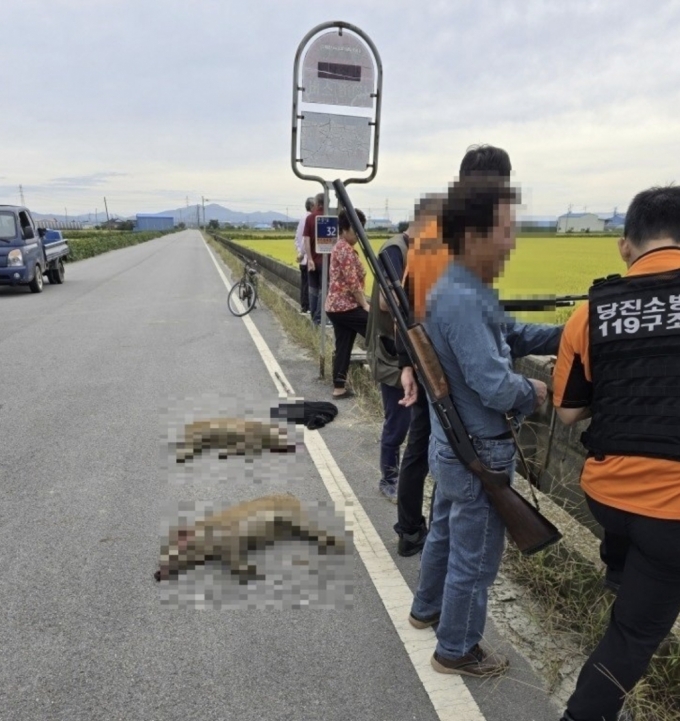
x,y
619,363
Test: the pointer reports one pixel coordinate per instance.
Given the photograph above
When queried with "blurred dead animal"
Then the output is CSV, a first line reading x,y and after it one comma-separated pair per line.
x,y
230,535
233,436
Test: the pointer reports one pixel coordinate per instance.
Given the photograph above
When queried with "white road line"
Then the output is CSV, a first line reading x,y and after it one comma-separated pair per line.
x,y
450,697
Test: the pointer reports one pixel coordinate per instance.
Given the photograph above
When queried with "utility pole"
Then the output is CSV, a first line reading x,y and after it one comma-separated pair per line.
x,y
107,211
21,195
96,220
204,200
198,215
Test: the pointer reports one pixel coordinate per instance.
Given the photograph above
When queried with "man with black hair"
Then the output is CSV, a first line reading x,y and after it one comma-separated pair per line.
x,y
619,364
428,256
476,343
485,160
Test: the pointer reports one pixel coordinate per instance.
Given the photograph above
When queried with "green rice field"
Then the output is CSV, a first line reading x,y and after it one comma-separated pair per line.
x,y
538,266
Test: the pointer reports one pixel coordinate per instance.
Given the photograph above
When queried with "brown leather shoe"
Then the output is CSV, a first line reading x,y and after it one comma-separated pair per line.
x,y
475,663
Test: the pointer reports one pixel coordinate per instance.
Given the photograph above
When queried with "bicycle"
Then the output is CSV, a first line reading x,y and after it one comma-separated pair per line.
x,y
245,290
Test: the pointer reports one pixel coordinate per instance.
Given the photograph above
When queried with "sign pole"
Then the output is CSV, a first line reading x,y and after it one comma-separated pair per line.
x,y
324,293
322,326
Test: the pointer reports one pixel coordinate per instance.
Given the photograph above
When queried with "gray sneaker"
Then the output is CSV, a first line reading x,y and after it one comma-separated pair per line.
x,y
475,663
389,490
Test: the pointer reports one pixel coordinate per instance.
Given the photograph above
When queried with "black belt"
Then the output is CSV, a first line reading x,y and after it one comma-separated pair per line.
x,y
501,437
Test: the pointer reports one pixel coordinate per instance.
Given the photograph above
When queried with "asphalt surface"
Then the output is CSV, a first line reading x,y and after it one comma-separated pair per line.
x,y
98,375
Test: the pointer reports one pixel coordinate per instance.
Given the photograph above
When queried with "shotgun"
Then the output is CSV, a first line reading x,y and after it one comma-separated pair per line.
x,y
526,526
549,303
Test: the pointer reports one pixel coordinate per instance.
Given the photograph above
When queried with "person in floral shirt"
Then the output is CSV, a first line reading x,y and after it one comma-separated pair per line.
x,y
346,304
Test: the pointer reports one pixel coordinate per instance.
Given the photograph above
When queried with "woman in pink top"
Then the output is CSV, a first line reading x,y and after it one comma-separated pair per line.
x,y
346,304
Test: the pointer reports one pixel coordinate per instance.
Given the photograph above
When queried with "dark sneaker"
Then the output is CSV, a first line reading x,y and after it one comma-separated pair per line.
x,y
421,623
389,490
475,663
412,543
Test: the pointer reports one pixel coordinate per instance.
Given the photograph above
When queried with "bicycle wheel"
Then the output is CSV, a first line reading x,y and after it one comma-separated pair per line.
x,y
246,295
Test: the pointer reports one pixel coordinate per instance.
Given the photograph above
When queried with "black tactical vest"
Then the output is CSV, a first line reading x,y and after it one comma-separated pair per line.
x,y
634,327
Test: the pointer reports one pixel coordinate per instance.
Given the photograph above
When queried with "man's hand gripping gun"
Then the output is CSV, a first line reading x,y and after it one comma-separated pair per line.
x,y
527,527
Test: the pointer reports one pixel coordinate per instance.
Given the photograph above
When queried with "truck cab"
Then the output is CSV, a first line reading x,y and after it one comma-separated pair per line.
x,y
27,253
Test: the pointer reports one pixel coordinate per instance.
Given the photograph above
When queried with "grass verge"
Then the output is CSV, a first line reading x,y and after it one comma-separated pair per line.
x,y
298,327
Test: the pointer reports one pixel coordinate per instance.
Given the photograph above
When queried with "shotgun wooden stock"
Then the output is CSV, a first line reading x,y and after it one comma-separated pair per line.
x,y
528,528
429,365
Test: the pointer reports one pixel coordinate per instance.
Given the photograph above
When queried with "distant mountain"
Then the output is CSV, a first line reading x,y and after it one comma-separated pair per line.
x,y
84,218
213,211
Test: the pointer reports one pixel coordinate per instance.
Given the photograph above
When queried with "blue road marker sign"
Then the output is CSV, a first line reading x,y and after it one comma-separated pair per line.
x,y
326,232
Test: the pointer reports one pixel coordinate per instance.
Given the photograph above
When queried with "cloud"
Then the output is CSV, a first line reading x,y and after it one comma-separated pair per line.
x,y
85,181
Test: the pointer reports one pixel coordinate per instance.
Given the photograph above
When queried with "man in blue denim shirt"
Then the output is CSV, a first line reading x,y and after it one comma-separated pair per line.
x,y
475,342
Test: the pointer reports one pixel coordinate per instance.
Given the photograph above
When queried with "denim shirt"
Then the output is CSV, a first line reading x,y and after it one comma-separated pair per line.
x,y
476,342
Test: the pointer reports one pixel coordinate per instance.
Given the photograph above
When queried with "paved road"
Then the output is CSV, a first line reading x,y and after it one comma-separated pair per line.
x,y
96,375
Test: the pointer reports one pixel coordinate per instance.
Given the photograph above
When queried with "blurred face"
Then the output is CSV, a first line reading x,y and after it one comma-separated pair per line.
x,y
350,236
488,253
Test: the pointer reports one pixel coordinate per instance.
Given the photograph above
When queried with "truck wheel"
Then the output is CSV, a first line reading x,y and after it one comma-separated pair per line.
x,y
37,284
56,275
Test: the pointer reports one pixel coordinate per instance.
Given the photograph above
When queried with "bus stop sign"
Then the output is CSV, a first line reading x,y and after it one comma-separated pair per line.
x,y
326,232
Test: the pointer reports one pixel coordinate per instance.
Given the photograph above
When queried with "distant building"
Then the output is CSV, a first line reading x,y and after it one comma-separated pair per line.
x,y
373,223
580,223
59,224
154,222
615,222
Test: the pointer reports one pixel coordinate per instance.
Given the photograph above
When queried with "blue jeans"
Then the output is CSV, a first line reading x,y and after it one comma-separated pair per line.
x,y
314,293
463,550
394,431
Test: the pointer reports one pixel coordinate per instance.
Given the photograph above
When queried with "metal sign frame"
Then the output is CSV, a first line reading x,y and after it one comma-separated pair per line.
x,y
340,26
297,89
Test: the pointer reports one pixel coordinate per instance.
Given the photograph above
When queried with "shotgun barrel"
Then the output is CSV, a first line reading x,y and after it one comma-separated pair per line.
x,y
546,303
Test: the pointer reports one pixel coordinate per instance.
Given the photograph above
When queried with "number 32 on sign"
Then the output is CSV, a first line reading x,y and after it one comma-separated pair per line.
x,y
326,233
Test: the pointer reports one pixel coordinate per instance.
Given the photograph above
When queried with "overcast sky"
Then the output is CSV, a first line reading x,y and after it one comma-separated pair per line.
x,y
148,102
